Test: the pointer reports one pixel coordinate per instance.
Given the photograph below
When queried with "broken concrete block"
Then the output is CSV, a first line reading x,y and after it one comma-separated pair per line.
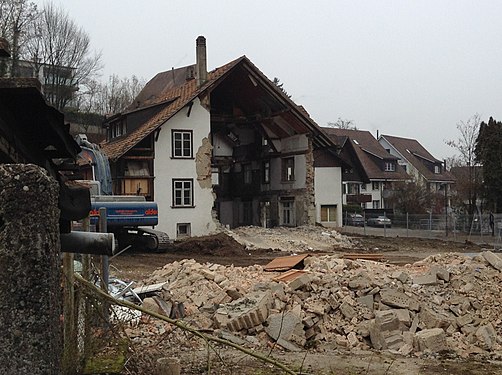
x,y
347,310
246,312
463,320
487,336
317,307
403,315
366,301
352,339
387,320
427,279
431,319
433,340
360,281
300,282
286,328
394,298
494,260
441,273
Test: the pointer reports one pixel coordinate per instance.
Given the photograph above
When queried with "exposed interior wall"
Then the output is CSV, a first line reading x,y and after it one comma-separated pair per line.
x,y
197,169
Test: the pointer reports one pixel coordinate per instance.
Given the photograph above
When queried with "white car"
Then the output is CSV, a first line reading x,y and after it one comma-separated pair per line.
x,y
380,221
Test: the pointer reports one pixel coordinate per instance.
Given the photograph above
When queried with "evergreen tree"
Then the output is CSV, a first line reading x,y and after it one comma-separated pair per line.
x,y
489,154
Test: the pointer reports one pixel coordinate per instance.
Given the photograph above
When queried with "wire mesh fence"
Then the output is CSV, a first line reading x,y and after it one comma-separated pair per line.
x,y
479,228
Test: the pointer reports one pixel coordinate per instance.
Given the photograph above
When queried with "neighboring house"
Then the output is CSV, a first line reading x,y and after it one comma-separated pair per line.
x,y
420,164
373,170
225,147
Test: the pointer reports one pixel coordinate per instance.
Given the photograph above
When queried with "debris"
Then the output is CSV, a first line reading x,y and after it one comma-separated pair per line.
x,y
444,302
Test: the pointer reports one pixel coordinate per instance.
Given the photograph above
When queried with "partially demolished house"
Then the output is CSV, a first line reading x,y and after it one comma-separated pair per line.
x,y
373,171
225,147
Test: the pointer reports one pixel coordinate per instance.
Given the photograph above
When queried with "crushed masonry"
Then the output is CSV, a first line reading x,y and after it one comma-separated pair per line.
x,y
446,302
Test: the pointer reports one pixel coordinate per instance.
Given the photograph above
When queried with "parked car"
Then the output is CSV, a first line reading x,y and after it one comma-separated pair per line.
x,y
356,220
380,221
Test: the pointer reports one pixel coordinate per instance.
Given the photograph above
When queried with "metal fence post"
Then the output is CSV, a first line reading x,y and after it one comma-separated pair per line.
x,y
105,265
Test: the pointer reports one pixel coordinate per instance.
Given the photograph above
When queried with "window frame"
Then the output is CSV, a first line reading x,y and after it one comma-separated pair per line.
x,y
390,166
182,196
288,211
182,148
287,163
329,211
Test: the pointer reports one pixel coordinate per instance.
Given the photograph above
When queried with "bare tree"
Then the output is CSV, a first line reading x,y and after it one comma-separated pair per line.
x,y
16,18
111,97
62,49
465,144
342,124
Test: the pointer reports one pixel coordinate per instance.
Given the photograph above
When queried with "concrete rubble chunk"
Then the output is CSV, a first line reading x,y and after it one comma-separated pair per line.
x,y
395,298
244,313
487,336
433,340
286,328
426,279
347,310
493,259
300,282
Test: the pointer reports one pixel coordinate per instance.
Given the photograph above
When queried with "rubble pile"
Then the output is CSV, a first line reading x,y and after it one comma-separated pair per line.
x,y
297,239
444,303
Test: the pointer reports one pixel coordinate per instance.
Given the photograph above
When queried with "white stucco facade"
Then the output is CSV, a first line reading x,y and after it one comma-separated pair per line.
x,y
328,196
197,217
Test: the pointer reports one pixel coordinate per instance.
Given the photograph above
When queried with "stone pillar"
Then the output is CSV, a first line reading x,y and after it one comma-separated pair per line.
x,y
30,291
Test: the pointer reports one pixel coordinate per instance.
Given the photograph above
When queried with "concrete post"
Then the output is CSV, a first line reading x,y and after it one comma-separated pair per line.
x,y
30,288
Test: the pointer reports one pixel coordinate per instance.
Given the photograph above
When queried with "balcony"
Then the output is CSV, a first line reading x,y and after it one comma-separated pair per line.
x,y
359,198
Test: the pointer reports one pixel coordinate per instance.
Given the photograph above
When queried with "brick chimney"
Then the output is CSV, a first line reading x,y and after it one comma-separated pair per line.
x,y
201,65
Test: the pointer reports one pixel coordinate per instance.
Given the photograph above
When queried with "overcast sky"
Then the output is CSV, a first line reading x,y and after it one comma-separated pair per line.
x,y
406,68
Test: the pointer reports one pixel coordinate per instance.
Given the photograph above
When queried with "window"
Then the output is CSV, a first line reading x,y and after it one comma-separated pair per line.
x,y
215,176
390,166
363,187
183,230
437,169
353,188
182,143
266,172
375,185
287,212
183,193
248,173
328,213
376,204
288,169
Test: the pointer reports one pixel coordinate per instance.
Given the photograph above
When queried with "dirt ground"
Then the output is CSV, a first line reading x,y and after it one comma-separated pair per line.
x,y
224,249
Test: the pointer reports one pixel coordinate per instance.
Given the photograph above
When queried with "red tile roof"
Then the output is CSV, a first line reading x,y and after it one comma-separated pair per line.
x,y
179,96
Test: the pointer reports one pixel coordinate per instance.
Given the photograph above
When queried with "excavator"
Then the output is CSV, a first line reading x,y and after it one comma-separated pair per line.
x,y
129,217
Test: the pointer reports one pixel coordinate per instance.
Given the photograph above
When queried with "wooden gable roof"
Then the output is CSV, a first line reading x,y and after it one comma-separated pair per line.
x,y
173,92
